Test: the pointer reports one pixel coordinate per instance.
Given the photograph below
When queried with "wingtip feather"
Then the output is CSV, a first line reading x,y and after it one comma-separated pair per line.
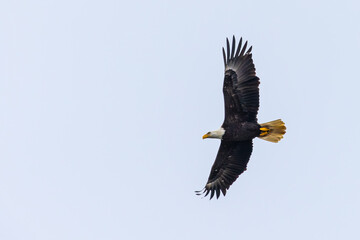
x,y
243,49
238,48
227,50
224,56
233,47
212,193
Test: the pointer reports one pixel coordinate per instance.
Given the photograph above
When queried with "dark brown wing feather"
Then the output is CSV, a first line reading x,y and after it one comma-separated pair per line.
x,y
230,162
241,85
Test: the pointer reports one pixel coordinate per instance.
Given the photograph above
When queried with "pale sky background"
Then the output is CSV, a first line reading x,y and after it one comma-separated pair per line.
x,y
103,105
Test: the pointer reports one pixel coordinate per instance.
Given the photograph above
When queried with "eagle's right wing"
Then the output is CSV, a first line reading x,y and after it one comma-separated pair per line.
x,y
230,162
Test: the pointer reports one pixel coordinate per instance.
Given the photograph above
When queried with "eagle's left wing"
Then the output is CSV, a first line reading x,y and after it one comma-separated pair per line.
x,y
230,162
241,85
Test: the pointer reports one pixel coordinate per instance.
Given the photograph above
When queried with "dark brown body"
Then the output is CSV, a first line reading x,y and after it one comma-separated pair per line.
x,y
242,131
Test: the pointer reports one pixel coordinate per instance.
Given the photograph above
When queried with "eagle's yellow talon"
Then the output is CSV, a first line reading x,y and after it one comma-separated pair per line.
x,y
264,131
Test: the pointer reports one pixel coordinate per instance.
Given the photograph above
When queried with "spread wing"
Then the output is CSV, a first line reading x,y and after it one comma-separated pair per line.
x,y
241,85
230,162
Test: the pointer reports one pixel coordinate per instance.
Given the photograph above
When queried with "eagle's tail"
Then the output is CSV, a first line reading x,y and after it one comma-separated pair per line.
x,y
272,131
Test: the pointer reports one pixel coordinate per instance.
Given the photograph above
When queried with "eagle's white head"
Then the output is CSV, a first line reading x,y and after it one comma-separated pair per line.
x,y
215,134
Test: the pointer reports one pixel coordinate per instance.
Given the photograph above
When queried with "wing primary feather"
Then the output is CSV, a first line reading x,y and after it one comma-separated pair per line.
x,y
244,48
223,191
227,49
217,193
238,48
248,51
200,192
207,192
212,193
223,50
233,47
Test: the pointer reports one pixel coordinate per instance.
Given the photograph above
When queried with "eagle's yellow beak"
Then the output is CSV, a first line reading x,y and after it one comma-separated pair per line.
x,y
206,136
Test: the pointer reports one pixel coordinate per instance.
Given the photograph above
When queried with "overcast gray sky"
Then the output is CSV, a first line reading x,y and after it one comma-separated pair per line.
x,y
103,105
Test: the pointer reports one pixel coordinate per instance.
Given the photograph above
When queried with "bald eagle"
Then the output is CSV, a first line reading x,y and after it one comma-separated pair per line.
x,y
240,127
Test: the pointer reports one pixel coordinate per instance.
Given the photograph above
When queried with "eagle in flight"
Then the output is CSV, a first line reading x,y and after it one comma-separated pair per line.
x,y
240,127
